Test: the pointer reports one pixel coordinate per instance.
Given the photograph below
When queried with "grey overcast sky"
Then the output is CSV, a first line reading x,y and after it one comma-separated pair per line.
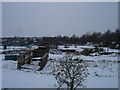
x,y
57,18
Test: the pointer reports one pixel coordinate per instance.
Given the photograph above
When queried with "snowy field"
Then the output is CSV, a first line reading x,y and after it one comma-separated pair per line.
x,y
103,72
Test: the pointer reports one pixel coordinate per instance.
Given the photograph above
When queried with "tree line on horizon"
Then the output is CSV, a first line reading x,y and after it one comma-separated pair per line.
x,y
108,39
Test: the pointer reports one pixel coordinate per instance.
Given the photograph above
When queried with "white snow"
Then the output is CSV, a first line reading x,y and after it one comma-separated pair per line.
x,y
98,58
53,56
104,82
73,47
13,78
103,74
37,58
80,48
22,79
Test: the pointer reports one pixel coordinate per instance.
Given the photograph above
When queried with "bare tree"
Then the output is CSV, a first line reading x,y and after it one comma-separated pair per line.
x,y
70,72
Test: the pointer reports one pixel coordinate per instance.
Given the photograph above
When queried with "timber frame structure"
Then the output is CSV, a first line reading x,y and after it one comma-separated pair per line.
x,y
27,57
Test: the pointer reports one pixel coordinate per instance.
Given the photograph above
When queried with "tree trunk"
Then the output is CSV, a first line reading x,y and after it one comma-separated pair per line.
x,y
72,86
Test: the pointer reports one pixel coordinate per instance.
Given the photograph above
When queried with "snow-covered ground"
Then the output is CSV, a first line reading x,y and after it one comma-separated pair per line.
x,y
80,48
103,73
100,77
22,79
98,58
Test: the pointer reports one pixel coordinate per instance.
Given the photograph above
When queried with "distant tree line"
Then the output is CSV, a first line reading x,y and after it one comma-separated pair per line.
x,y
108,39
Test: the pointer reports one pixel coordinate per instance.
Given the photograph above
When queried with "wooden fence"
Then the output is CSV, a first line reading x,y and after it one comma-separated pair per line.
x,y
43,61
24,58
